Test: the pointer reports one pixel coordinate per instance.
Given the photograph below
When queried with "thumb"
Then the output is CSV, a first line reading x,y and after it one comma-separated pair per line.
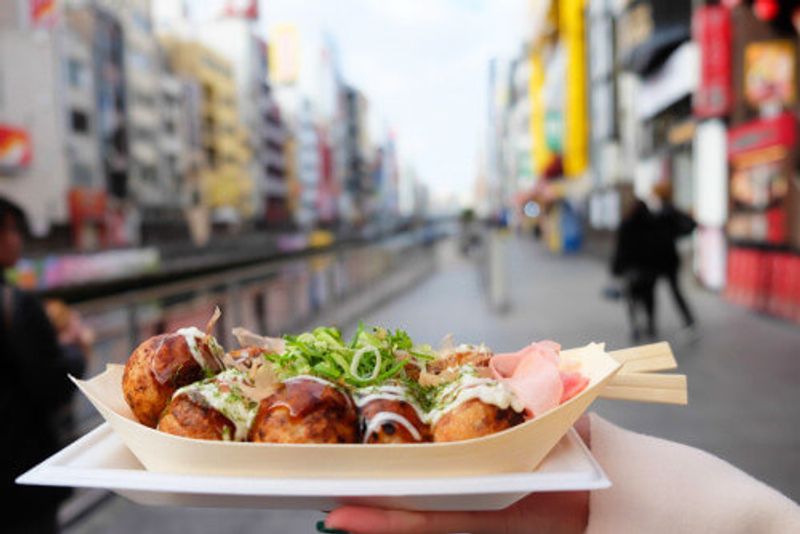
x,y
361,520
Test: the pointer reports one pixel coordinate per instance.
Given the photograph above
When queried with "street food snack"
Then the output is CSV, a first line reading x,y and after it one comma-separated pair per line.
x,y
164,363
316,387
306,409
215,408
390,414
473,405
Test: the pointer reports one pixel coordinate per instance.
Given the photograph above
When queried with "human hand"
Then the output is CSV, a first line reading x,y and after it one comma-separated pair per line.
x,y
562,512
69,326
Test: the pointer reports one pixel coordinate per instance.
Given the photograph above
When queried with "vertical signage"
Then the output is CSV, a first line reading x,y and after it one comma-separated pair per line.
x,y
712,31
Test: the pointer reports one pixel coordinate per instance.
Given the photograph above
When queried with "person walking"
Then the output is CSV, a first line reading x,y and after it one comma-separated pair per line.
x,y
36,389
671,225
634,262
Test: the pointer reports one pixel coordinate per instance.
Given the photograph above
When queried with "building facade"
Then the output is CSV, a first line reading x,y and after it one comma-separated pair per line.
x,y
48,90
226,186
235,38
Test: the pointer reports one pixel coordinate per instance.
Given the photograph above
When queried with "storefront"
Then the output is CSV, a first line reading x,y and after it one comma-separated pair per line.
x,y
763,227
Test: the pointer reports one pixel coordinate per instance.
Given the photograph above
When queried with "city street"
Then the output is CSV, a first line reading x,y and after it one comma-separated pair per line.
x,y
742,369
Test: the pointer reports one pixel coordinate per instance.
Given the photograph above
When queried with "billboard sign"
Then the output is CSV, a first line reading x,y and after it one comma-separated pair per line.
x,y
712,31
16,151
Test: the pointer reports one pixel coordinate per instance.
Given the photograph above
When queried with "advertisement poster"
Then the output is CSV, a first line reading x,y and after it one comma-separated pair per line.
x,y
769,73
16,151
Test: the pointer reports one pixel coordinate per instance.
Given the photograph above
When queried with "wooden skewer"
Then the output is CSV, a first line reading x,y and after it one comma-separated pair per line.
x,y
647,387
645,358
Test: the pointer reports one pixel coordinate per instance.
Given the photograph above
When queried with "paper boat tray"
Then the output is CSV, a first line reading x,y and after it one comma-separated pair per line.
x,y
518,449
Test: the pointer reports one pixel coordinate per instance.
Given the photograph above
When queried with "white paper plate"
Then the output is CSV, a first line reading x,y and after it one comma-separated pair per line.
x,y
101,460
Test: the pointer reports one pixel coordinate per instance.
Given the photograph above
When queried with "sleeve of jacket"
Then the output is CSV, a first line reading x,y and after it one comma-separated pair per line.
x,y
619,260
41,364
663,487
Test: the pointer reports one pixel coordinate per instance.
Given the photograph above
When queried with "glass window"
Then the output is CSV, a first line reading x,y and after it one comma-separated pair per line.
x,y
149,173
138,60
80,175
76,73
79,121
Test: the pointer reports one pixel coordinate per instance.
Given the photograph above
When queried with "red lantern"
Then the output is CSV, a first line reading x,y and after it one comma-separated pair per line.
x,y
766,9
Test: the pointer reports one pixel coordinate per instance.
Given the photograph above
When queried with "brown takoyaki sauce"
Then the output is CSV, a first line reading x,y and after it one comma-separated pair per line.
x,y
301,396
173,363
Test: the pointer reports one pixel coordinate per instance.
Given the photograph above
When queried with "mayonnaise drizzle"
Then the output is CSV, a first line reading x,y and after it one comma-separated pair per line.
x,y
191,334
380,418
469,386
314,378
389,392
230,400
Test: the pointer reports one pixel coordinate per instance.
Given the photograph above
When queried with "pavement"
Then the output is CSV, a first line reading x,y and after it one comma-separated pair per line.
x,y
743,371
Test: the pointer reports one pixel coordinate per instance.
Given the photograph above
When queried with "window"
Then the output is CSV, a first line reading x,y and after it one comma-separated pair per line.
x,y
149,173
142,21
80,175
76,74
79,121
139,61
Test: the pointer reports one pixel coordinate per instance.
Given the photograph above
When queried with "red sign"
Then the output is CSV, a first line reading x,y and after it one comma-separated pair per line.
x,y
16,151
760,134
43,13
87,204
712,31
246,9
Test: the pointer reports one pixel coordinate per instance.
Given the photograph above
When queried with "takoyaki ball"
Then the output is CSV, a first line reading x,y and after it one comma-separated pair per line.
x,y
306,410
161,365
392,421
190,419
474,419
215,408
476,356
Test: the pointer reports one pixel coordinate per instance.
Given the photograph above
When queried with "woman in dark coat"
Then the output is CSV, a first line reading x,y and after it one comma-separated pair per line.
x,y
634,261
34,393
671,225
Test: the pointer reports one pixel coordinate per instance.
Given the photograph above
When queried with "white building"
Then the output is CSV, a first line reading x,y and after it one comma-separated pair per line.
x,y
308,166
151,190
235,38
47,90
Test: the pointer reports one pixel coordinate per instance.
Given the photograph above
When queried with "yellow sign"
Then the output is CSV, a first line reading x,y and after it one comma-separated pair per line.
x,y
576,120
540,152
284,53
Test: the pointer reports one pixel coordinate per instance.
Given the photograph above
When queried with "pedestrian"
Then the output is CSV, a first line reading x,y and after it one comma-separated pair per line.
x,y
35,390
634,263
660,487
671,225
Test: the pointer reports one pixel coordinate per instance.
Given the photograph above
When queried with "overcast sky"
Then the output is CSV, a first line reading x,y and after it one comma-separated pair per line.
x,y
423,66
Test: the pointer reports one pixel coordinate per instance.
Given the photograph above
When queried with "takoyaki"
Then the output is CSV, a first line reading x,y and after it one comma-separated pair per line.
x,y
473,406
306,409
164,363
217,408
389,414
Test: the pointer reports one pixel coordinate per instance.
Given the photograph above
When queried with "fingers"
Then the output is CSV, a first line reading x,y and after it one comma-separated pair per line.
x,y
358,520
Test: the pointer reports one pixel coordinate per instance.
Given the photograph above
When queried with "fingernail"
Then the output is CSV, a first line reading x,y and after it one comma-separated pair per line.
x,y
322,528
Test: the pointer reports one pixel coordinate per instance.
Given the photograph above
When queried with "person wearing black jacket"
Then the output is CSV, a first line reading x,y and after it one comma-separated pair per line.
x,y
35,390
634,261
671,225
